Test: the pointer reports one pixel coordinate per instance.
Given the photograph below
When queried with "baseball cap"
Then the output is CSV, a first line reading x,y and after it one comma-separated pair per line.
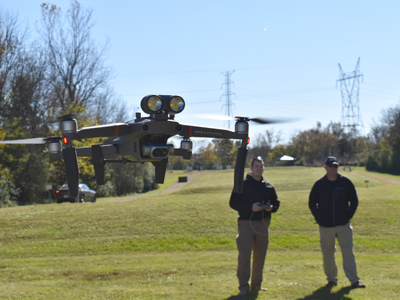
x,y
331,160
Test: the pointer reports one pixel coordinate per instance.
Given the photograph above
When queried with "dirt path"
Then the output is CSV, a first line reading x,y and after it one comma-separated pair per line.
x,y
168,190
380,177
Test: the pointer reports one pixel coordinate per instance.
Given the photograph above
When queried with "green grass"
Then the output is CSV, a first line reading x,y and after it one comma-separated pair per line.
x,y
181,245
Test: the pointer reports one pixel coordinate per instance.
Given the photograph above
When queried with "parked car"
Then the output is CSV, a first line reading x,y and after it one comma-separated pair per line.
x,y
85,194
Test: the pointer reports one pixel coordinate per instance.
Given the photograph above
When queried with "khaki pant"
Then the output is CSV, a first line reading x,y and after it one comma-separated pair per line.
x,y
253,237
344,235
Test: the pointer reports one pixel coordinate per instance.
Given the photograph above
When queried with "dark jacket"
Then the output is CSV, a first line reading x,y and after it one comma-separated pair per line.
x,y
333,203
254,191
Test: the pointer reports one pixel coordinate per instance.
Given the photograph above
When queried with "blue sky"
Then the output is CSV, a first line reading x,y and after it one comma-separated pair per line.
x,y
284,54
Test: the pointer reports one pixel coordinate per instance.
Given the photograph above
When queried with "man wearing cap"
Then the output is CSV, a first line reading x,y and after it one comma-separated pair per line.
x,y
254,205
333,201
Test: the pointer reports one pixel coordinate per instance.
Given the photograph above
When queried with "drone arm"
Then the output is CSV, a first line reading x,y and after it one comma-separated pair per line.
x,y
109,130
105,150
208,132
185,153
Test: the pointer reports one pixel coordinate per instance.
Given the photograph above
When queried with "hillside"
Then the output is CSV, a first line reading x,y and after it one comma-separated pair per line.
x,y
179,243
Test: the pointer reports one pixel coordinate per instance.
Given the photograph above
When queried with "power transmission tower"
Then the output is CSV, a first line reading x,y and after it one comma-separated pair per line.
x,y
228,95
350,90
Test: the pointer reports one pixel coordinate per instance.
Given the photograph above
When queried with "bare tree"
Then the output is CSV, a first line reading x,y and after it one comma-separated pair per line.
x,y
77,74
11,44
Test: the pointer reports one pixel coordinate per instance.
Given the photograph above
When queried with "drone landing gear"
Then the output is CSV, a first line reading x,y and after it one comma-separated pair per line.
x,y
72,170
98,163
160,168
239,167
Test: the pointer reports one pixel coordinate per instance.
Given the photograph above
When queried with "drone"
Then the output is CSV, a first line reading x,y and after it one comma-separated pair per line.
x,y
142,140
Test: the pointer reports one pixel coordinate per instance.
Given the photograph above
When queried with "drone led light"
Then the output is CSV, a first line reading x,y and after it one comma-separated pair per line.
x,y
154,103
177,104
151,104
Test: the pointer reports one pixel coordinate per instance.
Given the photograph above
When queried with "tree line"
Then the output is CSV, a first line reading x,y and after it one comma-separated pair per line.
x,y
63,70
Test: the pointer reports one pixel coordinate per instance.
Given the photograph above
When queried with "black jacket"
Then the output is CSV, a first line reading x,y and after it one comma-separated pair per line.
x,y
333,203
254,191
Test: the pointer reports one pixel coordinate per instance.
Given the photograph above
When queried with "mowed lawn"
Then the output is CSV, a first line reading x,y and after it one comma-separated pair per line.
x,y
180,244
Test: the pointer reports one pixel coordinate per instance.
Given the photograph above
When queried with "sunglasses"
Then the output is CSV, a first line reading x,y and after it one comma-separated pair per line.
x,y
333,166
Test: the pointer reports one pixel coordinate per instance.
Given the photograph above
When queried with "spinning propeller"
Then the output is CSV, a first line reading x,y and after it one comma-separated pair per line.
x,y
237,118
33,141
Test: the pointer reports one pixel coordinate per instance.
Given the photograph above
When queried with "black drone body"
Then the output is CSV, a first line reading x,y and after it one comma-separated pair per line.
x,y
142,140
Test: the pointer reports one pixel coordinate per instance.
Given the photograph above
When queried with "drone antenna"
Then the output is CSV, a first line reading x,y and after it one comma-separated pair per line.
x,y
228,95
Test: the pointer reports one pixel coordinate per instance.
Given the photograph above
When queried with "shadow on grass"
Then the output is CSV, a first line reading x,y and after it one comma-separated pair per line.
x,y
324,293
250,296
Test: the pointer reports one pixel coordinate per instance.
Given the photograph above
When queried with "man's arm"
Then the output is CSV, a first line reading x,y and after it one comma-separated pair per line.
x,y
275,201
238,203
313,201
353,199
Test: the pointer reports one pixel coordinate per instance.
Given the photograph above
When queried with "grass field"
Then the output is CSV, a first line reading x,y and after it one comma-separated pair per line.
x,y
181,245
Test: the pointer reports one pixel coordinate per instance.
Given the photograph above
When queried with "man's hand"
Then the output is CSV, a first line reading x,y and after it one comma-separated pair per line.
x,y
269,209
257,207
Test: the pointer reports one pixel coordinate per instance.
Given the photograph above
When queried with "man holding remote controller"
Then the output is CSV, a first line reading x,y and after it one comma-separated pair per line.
x,y
254,205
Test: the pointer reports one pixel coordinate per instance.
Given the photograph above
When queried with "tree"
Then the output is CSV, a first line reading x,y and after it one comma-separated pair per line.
x,y
77,75
63,73
22,111
224,152
11,47
263,144
79,81
132,178
205,157
384,155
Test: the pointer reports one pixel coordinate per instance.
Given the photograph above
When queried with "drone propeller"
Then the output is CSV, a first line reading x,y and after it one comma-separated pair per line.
x,y
261,120
247,119
33,141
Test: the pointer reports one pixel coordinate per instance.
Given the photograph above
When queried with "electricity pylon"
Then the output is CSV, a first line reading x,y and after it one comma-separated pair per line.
x,y
350,90
228,95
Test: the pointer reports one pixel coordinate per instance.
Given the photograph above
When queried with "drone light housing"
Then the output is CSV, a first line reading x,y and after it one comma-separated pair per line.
x,y
186,144
151,104
176,104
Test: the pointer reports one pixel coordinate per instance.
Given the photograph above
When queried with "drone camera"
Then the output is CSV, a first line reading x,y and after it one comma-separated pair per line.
x,y
157,151
171,104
